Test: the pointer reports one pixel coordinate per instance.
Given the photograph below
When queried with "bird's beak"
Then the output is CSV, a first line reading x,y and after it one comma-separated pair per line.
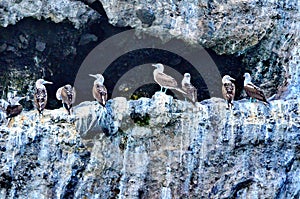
x,y
232,79
155,65
92,75
46,82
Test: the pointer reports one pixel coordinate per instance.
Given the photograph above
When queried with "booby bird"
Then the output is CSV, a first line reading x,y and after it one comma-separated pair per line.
x,y
252,90
191,91
67,95
40,95
14,108
228,90
165,81
99,90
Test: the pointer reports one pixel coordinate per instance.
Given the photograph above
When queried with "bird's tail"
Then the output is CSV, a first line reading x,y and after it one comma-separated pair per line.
x,y
178,89
267,103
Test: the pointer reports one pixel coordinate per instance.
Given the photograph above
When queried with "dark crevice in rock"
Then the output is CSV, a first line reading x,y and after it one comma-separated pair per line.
x,y
77,170
25,59
36,49
239,186
97,6
148,90
231,65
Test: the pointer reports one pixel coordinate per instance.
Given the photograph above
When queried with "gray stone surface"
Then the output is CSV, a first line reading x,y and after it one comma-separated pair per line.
x,y
227,27
41,157
154,148
74,11
164,148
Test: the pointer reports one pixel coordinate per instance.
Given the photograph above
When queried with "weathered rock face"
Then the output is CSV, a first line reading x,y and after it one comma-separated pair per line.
x,y
41,49
74,11
154,148
161,148
41,158
264,33
158,147
215,24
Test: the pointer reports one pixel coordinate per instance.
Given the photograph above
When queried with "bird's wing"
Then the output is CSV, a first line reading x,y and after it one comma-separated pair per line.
x,y
194,94
100,93
68,95
73,96
255,92
228,91
13,110
41,94
40,98
190,90
58,93
64,95
166,80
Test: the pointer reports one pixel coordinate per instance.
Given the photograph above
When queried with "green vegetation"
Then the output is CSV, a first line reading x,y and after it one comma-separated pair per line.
x,y
141,120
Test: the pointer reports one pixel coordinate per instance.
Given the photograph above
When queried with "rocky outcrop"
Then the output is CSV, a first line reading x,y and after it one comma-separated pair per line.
x,y
154,148
164,148
41,157
74,11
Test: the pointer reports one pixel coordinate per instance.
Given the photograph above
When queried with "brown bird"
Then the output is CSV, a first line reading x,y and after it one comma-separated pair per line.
x,y
40,95
67,95
252,90
165,81
14,108
191,91
228,90
99,90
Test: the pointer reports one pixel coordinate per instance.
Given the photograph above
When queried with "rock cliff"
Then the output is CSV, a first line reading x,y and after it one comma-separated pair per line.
x,y
154,148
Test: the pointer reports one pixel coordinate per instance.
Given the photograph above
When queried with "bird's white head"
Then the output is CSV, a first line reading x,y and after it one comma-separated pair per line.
x,y
68,87
227,79
187,76
41,82
99,78
159,67
14,100
247,78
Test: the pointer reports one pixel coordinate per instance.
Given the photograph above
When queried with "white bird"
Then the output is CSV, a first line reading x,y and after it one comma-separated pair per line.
x,y
191,91
228,90
165,81
40,95
99,90
252,90
67,95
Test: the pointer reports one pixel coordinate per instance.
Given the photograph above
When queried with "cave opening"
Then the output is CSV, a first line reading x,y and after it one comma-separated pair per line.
x,y
33,49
